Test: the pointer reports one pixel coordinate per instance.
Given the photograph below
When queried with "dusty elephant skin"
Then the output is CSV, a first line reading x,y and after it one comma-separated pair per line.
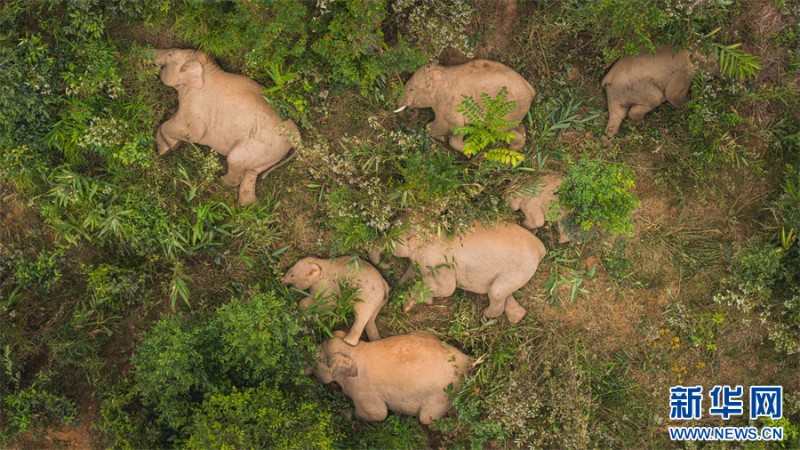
x,y
443,87
407,373
315,275
536,207
495,261
637,84
226,112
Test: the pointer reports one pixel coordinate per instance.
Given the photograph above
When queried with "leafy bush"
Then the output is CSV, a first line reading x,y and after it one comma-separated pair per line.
x,y
235,378
766,276
34,406
435,26
599,194
487,125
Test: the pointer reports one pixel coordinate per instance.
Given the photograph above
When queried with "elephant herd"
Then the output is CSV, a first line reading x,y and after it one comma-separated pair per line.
x,y
405,373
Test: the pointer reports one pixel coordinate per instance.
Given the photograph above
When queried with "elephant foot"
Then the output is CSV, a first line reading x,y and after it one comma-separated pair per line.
x,y
351,340
247,189
231,182
493,311
514,311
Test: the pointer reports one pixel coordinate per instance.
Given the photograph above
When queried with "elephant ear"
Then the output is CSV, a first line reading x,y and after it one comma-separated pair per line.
x,y
314,272
192,74
436,78
343,365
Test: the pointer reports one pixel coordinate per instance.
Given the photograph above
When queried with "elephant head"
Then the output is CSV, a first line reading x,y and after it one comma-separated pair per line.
x,y
182,67
422,87
303,274
335,362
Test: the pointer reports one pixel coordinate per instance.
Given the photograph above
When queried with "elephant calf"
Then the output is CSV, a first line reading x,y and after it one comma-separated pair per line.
x,y
495,261
407,373
537,207
443,87
316,275
225,111
637,84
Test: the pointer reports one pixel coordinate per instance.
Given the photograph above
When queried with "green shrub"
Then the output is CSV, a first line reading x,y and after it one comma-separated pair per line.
x,y
234,378
599,194
34,406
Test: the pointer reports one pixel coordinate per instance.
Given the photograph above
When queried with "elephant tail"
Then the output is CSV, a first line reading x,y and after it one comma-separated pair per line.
x,y
291,156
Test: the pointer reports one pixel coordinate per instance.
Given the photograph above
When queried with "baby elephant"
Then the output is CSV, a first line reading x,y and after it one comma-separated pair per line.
x,y
495,261
637,84
443,87
225,111
536,207
407,373
315,275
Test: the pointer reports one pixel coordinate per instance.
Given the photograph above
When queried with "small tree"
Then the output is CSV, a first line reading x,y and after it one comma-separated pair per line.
x,y
599,194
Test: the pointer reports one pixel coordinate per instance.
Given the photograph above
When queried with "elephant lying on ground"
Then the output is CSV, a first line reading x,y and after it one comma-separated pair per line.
x,y
537,207
637,84
407,373
323,276
442,88
495,261
225,111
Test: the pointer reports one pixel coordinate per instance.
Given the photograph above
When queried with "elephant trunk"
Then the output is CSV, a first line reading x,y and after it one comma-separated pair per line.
x,y
375,256
161,56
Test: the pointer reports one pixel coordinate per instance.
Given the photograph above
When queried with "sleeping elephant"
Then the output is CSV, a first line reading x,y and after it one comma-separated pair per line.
x,y
495,261
635,85
406,373
442,88
318,276
535,208
226,112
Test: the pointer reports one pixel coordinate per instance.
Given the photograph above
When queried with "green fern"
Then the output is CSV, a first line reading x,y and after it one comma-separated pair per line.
x,y
736,63
487,126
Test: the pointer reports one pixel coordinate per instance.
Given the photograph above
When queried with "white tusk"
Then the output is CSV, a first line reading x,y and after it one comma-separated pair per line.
x,y
400,108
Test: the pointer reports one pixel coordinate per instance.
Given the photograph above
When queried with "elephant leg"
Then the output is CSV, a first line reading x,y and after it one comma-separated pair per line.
x,y
616,112
363,315
372,410
519,138
677,89
637,112
168,137
514,311
456,142
247,188
240,160
439,129
435,408
409,273
499,292
372,330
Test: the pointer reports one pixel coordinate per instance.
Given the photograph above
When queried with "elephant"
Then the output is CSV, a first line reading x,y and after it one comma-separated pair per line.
x,y
407,373
226,112
443,87
535,208
316,276
487,260
635,85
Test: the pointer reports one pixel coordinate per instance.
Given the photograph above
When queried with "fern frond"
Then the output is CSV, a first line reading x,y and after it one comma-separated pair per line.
x,y
736,63
505,156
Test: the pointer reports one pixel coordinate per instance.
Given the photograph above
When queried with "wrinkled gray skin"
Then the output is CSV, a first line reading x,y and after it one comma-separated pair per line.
x,y
537,207
315,275
407,373
495,261
442,88
226,112
637,84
